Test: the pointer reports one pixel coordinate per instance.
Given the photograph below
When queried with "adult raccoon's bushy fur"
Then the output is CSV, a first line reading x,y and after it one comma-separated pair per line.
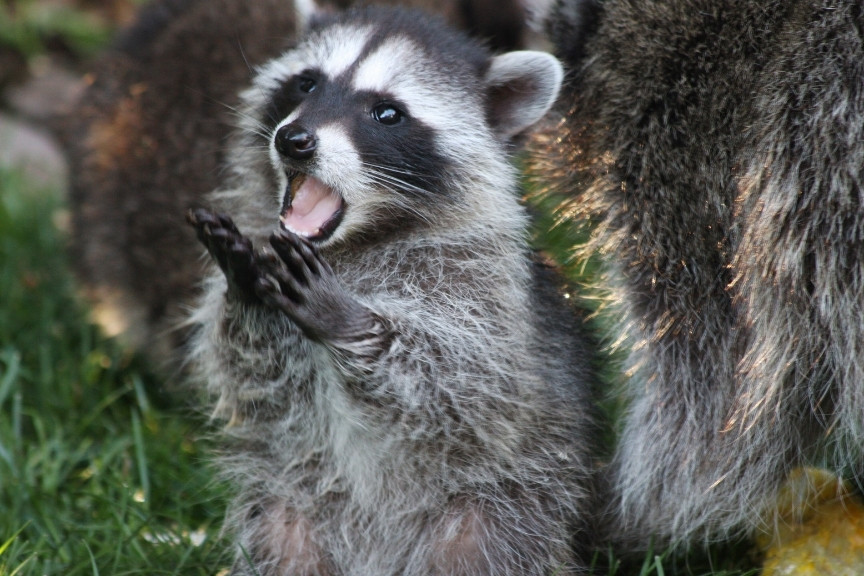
x,y
716,149
147,140
406,392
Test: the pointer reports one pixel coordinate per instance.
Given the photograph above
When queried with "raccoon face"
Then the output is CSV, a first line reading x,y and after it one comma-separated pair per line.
x,y
382,116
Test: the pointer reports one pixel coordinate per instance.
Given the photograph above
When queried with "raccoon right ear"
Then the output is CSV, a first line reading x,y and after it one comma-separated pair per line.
x,y
520,88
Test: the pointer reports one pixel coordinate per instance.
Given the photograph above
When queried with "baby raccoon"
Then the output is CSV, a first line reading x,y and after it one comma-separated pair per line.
x,y
147,141
717,149
405,391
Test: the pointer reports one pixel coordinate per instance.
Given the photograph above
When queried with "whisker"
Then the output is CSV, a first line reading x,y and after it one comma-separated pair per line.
x,y
390,174
391,181
255,125
397,206
404,171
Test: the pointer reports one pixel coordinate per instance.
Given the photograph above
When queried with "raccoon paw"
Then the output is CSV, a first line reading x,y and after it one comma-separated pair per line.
x,y
229,248
302,285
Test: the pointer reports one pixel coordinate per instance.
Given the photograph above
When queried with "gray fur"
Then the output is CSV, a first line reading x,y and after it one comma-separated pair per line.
x,y
717,150
147,141
443,425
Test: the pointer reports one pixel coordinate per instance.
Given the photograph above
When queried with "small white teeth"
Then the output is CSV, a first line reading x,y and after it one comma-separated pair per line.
x,y
301,233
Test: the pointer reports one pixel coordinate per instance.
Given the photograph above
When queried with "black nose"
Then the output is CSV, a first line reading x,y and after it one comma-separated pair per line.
x,y
296,142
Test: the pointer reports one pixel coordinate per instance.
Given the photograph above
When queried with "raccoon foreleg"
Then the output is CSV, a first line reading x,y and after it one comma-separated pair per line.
x,y
304,287
229,248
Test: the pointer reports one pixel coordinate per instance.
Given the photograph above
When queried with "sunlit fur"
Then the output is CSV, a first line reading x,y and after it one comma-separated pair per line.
x,y
456,437
716,151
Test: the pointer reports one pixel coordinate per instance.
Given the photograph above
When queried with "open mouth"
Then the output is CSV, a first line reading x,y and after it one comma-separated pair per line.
x,y
310,209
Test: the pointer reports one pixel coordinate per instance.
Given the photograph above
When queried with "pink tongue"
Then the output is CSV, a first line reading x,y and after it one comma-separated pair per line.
x,y
312,206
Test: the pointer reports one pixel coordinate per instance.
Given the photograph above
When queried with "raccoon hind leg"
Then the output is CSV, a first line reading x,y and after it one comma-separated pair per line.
x,y
277,541
477,537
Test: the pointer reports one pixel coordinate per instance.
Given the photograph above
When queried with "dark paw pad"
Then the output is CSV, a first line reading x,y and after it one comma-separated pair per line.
x,y
232,251
302,285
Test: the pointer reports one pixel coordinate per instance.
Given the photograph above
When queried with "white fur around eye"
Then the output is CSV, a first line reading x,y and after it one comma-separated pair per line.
x,y
335,53
383,68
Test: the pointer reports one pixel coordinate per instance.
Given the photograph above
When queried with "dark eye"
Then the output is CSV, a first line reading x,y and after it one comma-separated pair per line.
x,y
306,84
387,114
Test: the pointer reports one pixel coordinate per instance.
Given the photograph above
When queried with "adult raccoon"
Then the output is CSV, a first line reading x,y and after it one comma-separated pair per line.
x,y
717,151
406,392
147,140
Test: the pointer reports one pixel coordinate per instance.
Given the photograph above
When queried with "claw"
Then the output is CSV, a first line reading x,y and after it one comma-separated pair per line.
x,y
265,285
236,420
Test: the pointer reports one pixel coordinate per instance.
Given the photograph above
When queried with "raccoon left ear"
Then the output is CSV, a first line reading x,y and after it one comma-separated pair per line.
x,y
520,88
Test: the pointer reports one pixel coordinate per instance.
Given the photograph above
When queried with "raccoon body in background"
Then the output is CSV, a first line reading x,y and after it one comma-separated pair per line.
x,y
406,393
147,141
717,151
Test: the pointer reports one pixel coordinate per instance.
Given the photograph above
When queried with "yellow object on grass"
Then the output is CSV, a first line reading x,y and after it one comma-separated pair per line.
x,y
819,528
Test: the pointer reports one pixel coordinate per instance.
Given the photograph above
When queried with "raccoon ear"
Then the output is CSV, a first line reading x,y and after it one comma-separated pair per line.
x,y
520,88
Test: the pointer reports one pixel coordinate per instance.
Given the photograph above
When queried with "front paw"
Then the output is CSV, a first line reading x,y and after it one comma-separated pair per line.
x,y
301,284
232,251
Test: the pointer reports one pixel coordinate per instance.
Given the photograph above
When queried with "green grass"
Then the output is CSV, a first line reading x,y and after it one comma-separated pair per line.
x,y
100,473
95,476
29,26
